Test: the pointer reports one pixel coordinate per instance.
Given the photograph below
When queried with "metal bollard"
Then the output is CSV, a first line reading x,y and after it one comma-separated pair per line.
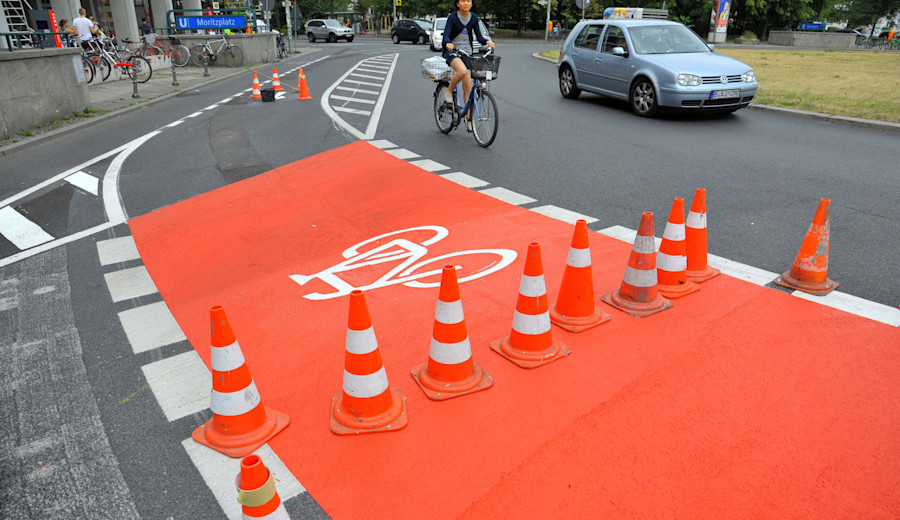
x,y
134,83
205,64
174,75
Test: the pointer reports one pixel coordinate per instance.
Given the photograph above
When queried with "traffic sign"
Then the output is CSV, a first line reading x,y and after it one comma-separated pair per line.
x,y
582,4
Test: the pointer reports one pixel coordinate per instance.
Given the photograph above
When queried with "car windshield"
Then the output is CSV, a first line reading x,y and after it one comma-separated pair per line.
x,y
423,24
666,39
333,23
440,23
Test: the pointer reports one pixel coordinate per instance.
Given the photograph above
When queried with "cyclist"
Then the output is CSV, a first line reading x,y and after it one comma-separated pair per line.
x,y
458,33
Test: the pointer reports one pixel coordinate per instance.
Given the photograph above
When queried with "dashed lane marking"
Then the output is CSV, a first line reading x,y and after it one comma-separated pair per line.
x,y
464,179
563,214
182,384
403,153
127,284
117,250
511,197
150,326
429,165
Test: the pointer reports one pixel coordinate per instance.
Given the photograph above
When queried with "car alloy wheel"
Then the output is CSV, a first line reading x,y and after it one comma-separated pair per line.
x,y
311,37
332,38
567,86
395,38
421,39
643,98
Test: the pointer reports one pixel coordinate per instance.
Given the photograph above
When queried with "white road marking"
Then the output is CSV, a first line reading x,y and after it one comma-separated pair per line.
x,y
383,144
127,284
744,272
563,214
354,100
367,83
150,326
365,76
182,384
85,181
511,197
352,111
358,90
116,250
372,125
55,243
403,153
175,123
22,232
464,179
112,199
428,164
373,71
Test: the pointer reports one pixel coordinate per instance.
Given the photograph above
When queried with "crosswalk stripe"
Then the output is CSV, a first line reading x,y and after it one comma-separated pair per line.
x,y
351,110
22,232
150,326
358,90
182,384
355,100
85,181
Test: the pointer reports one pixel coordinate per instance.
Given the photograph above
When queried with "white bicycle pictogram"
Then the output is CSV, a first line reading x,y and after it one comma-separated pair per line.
x,y
411,258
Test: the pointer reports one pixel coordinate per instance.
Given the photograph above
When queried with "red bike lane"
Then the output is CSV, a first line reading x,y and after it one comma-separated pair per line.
x,y
739,402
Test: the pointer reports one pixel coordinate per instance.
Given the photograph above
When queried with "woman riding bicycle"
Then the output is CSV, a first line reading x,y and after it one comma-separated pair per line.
x,y
458,33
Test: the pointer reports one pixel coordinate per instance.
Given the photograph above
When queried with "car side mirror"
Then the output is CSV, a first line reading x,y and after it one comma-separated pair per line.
x,y
619,51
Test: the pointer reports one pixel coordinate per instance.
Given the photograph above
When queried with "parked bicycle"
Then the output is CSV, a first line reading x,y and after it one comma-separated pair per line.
x,y
106,56
232,54
282,48
176,51
480,107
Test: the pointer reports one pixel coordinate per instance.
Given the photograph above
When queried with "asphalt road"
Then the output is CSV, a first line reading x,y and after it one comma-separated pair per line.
x,y
88,440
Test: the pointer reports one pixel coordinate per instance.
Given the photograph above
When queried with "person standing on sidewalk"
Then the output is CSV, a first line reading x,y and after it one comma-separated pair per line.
x,y
85,28
378,26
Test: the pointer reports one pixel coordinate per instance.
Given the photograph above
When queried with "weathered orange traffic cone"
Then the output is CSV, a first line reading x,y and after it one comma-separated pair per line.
x,y
367,404
575,309
638,295
256,93
450,370
531,343
276,83
256,491
695,239
671,260
810,270
240,422
301,84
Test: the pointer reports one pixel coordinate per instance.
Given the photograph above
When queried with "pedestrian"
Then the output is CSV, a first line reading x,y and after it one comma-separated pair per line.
x,y
145,27
85,29
458,34
70,31
378,26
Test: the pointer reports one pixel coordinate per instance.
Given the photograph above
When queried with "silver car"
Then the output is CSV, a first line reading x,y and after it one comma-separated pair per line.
x,y
652,64
328,29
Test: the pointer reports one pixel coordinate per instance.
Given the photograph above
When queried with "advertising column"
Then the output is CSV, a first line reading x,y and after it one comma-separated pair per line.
x,y
718,21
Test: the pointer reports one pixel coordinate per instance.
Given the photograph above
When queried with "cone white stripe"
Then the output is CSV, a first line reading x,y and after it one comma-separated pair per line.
x,y
644,245
361,341
639,277
532,324
532,286
449,313
368,385
671,263
225,359
450,353
579,257
674,232
280,513
696,220
234,403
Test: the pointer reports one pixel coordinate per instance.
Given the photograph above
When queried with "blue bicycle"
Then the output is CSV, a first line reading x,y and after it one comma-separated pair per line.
x,y
480,108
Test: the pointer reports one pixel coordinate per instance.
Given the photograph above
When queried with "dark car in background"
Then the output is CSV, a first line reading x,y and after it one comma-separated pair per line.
x,y
411,30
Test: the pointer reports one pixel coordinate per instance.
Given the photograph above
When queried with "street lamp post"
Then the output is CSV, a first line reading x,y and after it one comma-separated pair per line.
x,y
547,22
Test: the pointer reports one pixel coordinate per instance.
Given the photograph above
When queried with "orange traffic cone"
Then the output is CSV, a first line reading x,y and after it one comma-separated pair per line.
x,y
450,370
256,94
256,491
575,309
671,260
301,84
276,83
810,270
695,239
368,404
638,295
531,343
240,422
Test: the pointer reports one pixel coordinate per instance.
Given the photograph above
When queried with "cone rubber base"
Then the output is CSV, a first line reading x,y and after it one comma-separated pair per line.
x,y
343,423
785,280
703,275
578,323
438,390
636,309
677,291
237,446
529,359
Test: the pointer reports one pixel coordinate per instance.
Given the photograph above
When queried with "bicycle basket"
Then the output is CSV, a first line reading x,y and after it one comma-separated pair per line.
x,y
485,67
436,69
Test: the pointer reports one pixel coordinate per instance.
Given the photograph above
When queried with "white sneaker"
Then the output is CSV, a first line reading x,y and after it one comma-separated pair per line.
x,y
448,97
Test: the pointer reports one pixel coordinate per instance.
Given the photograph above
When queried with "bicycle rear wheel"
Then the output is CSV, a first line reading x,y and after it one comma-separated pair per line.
x,y
180,55
485,119
234,56
140,69
443,113
197,55
88,66
103,67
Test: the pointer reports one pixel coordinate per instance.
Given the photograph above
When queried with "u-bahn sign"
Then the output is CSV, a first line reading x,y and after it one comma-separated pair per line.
x,y
210,22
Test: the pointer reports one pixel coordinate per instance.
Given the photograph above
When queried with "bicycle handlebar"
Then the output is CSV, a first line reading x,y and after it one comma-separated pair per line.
x,y
488,52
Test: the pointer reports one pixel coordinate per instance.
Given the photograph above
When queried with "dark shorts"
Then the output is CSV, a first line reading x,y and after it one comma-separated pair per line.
x,y
452,55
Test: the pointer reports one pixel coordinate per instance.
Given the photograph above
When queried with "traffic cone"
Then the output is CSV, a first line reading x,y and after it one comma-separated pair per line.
x,y
695,239
450,370
256,94
575,309
367,404
810,270
301,84
240,422
276,83
531,343
671,260
256,491
638,295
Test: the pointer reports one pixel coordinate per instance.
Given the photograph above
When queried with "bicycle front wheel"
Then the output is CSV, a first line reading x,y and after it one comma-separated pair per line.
x,y
485,119
180,55
443,113
88,67
140,69
234,56
197,55
103,67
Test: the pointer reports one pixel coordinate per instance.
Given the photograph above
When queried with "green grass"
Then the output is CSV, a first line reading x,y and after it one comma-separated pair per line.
x,y
862,84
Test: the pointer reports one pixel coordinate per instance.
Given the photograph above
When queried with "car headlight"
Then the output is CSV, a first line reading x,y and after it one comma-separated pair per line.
x,y
687,80
749,76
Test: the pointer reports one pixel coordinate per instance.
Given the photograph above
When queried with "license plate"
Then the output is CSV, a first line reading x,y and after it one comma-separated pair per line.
x,y
722,94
